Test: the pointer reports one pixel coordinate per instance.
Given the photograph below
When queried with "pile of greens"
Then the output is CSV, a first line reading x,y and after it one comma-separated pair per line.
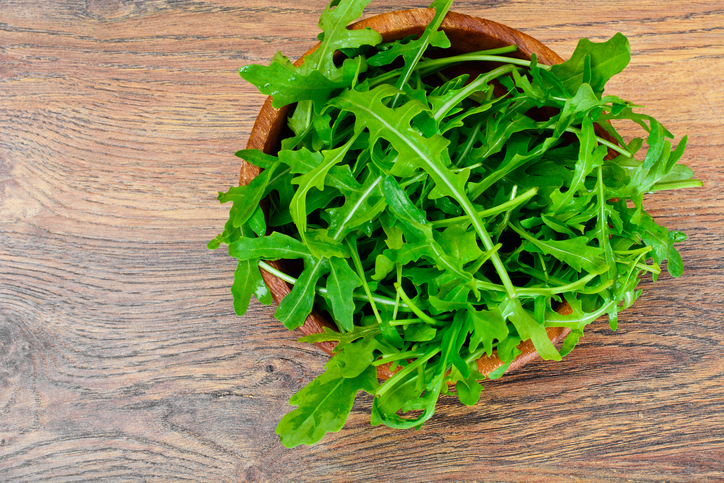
x,y
437,219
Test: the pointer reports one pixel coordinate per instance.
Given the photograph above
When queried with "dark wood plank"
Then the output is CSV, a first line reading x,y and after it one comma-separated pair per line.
x,y
120,356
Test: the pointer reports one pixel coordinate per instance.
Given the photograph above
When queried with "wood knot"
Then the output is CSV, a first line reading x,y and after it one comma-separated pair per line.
x,y
14,352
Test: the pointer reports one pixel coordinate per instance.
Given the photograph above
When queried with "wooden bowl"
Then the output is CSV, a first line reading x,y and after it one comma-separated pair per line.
x,y
466,34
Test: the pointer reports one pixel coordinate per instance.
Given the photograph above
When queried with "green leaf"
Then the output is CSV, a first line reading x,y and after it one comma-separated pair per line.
x,y
432,251
359,208
400,203
248,282
590,156
488,325
570,342
287,85
469,389
605,60
499,129
660,239
383,266
272,247
251,196
304,161
324,405
575,252
257,158
333,22
318,75
420,333
656,144
314,178
354,358
460,244
257,223
341,283
297,305
529,328
320,244
230,234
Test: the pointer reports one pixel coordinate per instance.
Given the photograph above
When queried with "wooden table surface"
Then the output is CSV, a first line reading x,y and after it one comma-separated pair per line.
x,y
120,356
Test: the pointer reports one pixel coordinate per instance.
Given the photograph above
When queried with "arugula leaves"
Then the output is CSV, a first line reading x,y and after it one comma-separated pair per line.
x,y
435,221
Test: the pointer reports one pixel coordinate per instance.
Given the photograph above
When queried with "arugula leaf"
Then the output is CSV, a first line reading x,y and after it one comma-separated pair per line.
x,y
469,389
336,36
590,156
324,405
250,194
248,282
297,305
287,85
314,178
340,286
597,61
528,328
575,251
412,51
659,238
488,325
273,247
318,75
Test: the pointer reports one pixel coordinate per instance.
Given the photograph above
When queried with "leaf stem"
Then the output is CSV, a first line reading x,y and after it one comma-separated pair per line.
x,y
609,144
645,249
501,208
427,67
398,356
579,284
361,273
392,382
323,291
442,111
415,309
676,185
433,64
406,322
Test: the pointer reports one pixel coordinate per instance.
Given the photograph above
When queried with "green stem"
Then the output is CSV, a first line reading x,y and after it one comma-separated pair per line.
x,y
361,275
645,249
501,208
600,140
415,309
323,291
676,185
434,64
640,266
535,291
427,67
506,218
406,322
398,356
470,88
392,382
469,144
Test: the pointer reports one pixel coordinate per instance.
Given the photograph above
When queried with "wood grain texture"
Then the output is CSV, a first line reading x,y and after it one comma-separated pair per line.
x,y
120,356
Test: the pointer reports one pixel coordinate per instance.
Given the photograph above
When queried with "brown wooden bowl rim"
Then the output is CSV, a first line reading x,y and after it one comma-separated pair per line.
x,y
392,26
